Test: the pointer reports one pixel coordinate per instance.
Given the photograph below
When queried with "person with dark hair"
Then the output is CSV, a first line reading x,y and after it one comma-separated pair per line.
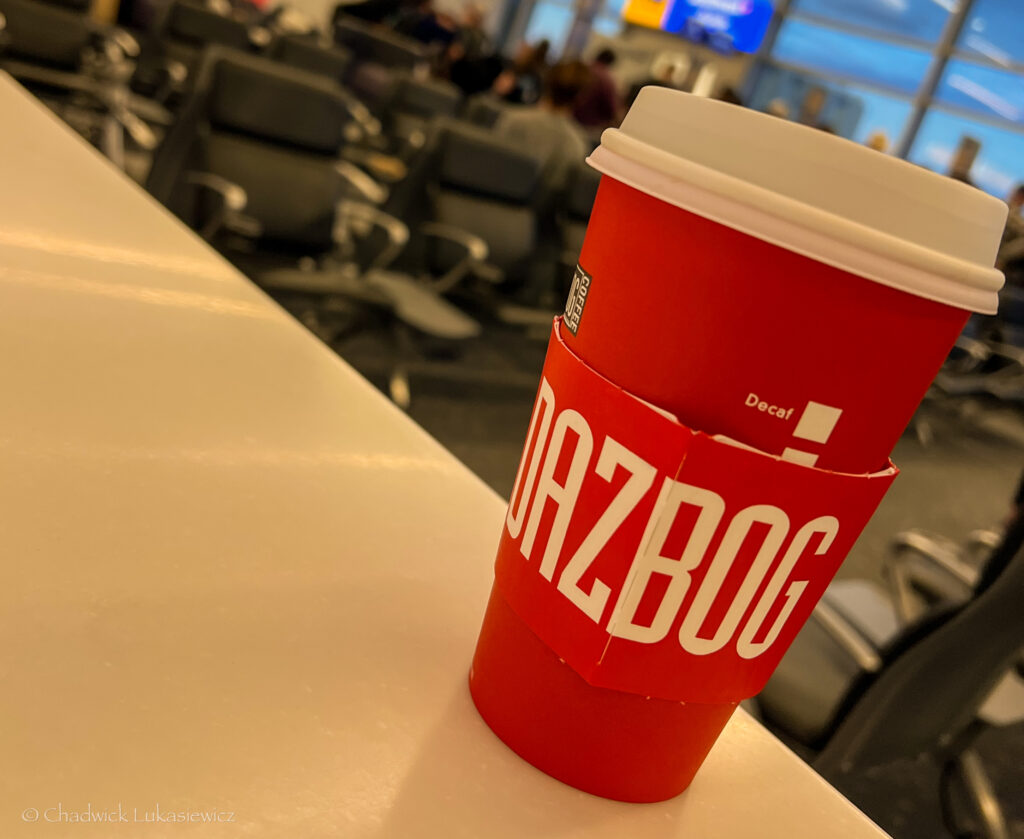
x,y
423,23
1011,252
548,128
662,75
470,62
963,159
599,106
372,11
730,95
521,83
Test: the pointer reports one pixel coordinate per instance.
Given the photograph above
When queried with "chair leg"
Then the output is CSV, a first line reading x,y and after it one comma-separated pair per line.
x,y
398,388
112,141
398,383
969,805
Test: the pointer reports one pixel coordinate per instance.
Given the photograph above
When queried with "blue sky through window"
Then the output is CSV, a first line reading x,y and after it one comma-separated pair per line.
x,y
919,19
551,21
832,51
995,29
981,88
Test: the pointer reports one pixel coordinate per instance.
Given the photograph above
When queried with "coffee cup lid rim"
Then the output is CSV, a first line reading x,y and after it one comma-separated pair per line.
x,y
828,198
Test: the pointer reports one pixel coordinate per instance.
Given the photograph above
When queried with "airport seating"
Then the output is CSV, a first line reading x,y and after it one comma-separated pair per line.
x,y
877,676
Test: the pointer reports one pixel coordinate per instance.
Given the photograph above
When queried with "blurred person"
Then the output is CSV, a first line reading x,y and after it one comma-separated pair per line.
x,y
470,61
371,11
662,74
1016,201
812,105
548,129
424,24
878,140
729,94
598,106
521,83
811,108
471,39
1010,259
963,159
778,108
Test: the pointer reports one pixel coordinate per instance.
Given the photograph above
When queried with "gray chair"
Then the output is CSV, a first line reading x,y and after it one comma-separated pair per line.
x,y
469,179
872,679
311,53
172,52
78,67
380,56
410,105
252,163
370,148
483,109
371,44
418,101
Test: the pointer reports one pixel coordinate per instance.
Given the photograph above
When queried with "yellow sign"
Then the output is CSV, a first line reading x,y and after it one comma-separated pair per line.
x,y
645,12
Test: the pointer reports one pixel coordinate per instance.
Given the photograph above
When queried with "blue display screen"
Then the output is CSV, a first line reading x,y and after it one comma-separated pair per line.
x,y
725,25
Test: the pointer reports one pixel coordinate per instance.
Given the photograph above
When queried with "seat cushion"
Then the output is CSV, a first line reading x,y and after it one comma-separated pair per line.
x,y
292,195
808,687
509,230
867,607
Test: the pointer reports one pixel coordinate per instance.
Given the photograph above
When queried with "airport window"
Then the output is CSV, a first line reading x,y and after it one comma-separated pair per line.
x,y
551,21
921,20
986,89
994,29
854,57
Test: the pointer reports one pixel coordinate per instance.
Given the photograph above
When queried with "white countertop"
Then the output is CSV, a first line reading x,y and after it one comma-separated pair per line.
x,y
236,580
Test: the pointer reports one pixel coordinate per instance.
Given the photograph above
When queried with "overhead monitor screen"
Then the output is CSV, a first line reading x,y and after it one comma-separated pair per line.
x,y
724,25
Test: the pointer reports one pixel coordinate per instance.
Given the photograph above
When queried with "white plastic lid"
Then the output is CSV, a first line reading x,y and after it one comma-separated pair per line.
x,y
811,192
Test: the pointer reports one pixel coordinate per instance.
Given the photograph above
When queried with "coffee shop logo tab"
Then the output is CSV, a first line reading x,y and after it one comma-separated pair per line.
x,y
577,299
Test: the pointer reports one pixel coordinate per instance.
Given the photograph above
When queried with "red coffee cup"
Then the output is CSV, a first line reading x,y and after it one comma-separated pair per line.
x,y
759,280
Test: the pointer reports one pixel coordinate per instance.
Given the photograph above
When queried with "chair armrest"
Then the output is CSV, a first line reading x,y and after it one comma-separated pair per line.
x,y
169,76
1008,352
361,218
369,125
260,37
978,350
942,553
125,41
362,183
474,261
112,55
232,201
476,248
846,635
382,167
920,564
980,544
